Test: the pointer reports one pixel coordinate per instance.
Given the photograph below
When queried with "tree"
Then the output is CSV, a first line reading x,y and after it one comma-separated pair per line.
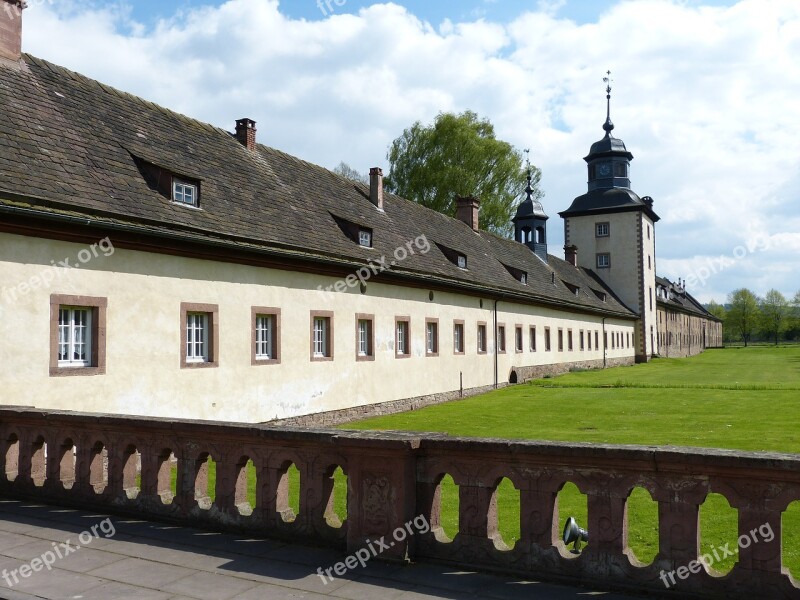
x,y
743,313
350,173
774,313
458,155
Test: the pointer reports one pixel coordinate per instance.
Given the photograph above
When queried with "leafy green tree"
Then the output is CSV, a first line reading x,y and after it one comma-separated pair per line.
x,y
349,172
717,310
459,155
774,314
743,314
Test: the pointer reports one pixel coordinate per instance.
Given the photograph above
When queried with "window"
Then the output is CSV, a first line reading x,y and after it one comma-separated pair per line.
x,y
651,298
605,339
547,339
532,338
518,338
458,337
184,192
365,238
589,340
199,335
402,346
265,341
432,337
602,230
501,339
581,341
321,335
569,340
560,340
365,337
77,335
603,261
597,340
620,169
649,262
523,279
461,261
613,340
648,232
482,338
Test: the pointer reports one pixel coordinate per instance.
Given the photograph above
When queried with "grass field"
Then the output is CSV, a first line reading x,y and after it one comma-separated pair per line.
x,y
743,398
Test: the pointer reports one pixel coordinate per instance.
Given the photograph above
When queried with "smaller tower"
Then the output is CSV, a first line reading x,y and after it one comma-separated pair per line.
x,y
530,222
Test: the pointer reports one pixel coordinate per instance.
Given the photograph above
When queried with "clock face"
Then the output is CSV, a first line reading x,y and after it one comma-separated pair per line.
x,y
604,169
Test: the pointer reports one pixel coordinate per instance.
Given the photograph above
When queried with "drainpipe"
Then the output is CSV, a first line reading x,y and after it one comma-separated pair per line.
x,y
605,345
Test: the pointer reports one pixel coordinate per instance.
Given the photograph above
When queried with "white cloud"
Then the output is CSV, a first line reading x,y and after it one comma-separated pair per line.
x,y
704,97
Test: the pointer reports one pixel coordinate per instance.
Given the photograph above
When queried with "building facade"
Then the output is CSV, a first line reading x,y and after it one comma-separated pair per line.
x,y
156,265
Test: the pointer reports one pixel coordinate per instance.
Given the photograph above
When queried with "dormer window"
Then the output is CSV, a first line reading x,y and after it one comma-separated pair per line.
x,y
461,261
600,295
573,288
454,256
517,274
184,192
365,238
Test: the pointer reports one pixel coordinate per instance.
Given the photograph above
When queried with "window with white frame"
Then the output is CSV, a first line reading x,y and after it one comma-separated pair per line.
x,y
265,337
402,344
501,338
184,192
462,261
431,337
196,337
603,261
458,338
602,229
321,337
364,337
481,338
74,337
365,238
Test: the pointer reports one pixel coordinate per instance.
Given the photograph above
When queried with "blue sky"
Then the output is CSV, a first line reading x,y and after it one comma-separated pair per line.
x,y
705,96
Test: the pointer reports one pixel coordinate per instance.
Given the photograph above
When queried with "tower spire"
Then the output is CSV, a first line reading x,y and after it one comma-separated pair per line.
x,y
608,126
529,188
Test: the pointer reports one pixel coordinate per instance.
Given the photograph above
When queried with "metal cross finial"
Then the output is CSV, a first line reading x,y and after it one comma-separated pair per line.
x,y
528,157
609,125
608,81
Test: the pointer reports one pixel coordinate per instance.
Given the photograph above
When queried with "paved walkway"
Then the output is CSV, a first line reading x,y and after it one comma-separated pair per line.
x,y
141,560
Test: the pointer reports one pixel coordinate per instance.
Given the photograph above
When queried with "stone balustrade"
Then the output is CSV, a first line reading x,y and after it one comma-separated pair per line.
x,y
123,464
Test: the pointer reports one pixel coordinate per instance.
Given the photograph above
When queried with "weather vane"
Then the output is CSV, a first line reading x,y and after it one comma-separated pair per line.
x,y
608,81
528,157
609,124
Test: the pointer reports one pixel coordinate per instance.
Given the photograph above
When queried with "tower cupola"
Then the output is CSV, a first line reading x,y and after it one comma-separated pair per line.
x,y
608,159
530,222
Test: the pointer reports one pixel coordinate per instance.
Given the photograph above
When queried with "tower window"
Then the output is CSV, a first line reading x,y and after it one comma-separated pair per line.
x,y
603,261
620,170
602,230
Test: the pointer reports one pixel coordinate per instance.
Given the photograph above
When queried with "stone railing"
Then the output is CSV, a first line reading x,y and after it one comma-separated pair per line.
x,y
123,464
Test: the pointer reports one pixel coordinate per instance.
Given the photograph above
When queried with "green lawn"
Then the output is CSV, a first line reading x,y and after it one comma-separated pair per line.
x,y
744,398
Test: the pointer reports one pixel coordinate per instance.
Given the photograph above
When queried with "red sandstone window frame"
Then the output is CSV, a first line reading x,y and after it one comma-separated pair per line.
x,y
547,340
265,311
369,319
519,342
532,338
212,322
97,307
482,337
501,338
458,340
407,341
432,349
327,316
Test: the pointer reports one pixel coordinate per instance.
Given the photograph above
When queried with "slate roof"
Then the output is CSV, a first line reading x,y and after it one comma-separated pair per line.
x,y
69,148
681,300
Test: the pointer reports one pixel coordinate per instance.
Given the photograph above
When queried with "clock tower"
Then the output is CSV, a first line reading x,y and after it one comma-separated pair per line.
x,y
614,231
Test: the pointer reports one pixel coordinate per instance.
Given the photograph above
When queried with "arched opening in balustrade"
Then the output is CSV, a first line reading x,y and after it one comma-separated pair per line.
x,y
719,534
11,457
505,505
98,468
446,507
246,485
131,472
641,513
167,484
790,539
205,480
67,459
39,461
570,502
287,501
336,489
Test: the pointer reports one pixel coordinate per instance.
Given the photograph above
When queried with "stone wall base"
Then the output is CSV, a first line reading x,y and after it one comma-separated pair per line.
x,y
366,411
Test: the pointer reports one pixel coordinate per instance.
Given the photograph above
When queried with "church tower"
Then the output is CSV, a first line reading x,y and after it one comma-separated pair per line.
x,y
530,223
614,232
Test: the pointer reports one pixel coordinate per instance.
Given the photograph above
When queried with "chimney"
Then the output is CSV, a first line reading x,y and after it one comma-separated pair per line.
x,y
571,255
246,133
467,211
376,187
11,29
